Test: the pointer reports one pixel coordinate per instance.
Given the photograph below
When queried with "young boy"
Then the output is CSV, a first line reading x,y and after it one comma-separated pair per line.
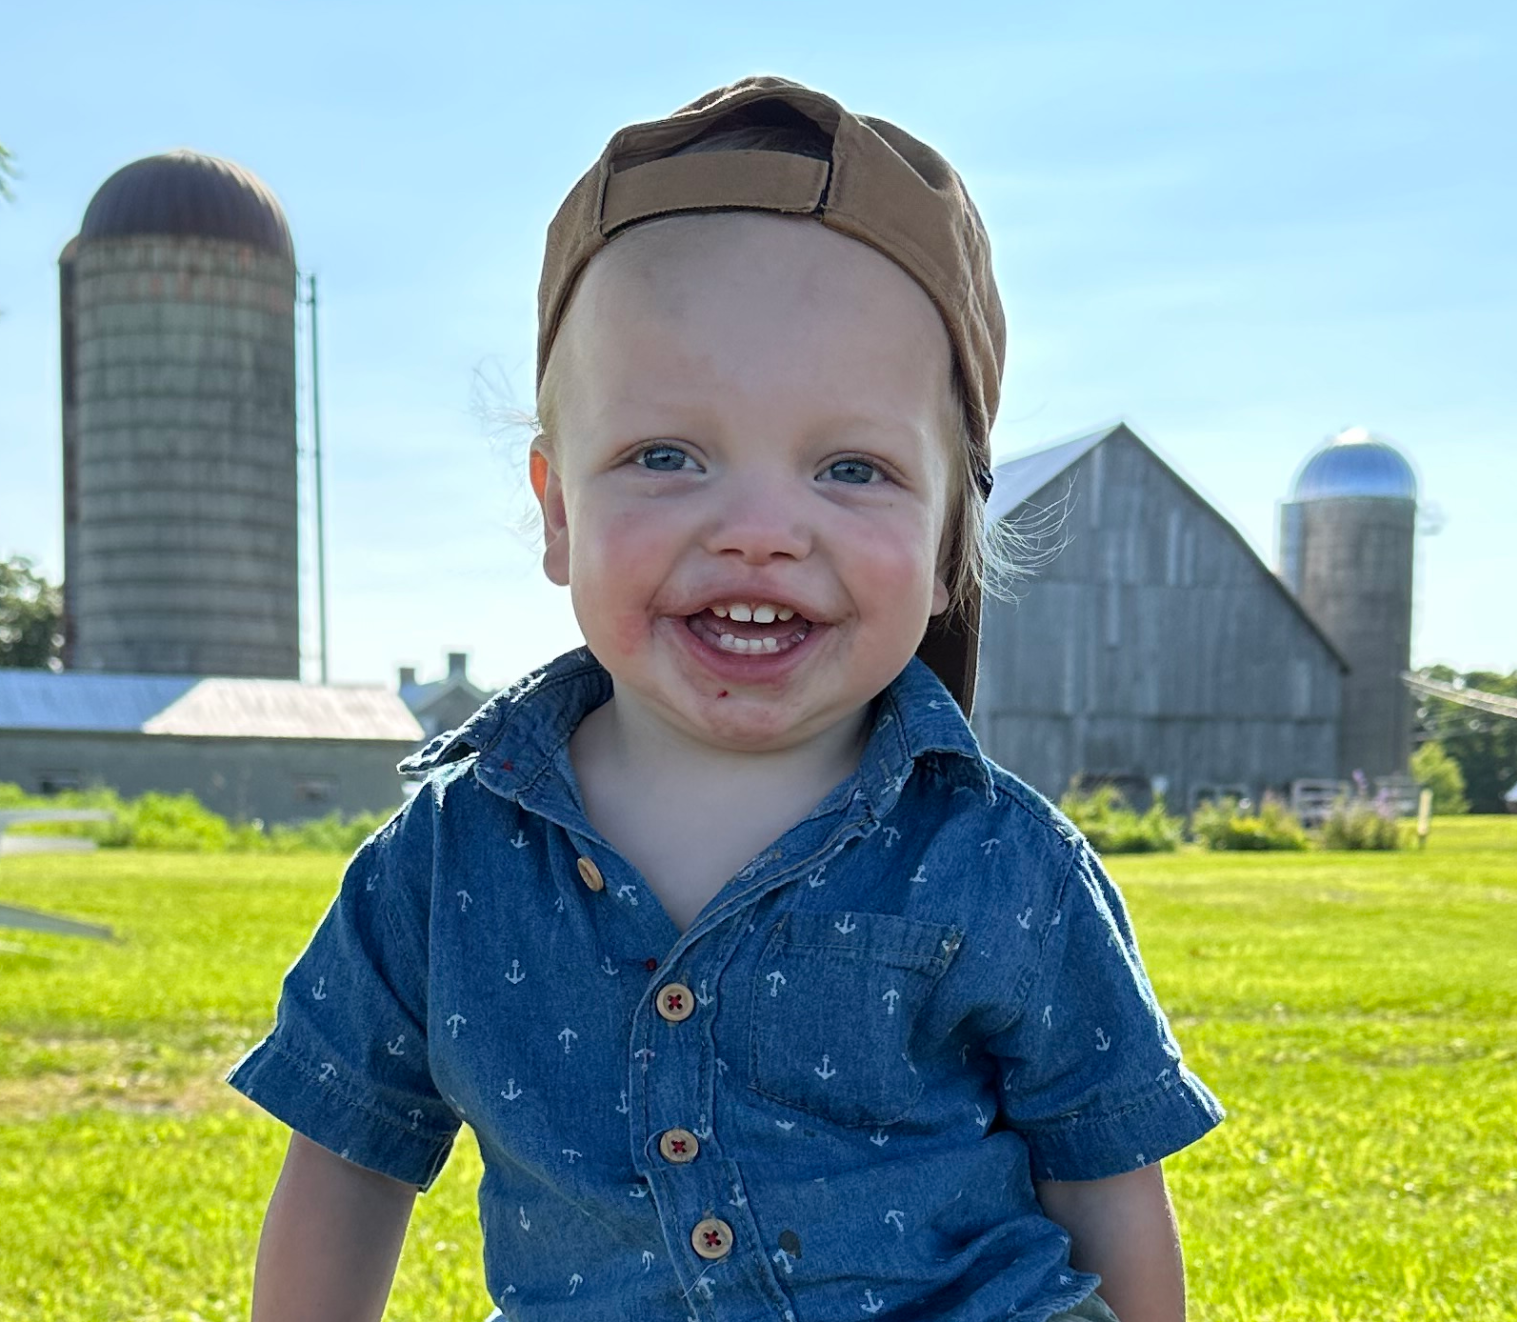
x,y
765,993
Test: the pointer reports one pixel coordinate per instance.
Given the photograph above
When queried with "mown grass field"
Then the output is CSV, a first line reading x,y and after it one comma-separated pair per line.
x,y
1355,1012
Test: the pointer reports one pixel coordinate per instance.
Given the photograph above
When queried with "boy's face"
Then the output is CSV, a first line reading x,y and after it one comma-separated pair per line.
x,y
749,416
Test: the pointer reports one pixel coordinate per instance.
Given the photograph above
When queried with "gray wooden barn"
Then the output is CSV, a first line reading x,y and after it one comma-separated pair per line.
x,y
1154,650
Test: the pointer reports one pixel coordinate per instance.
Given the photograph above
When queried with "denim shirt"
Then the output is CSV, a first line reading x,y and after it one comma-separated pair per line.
x,y
828,1098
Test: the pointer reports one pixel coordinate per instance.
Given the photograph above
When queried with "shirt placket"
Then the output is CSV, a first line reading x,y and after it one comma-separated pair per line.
x,y
674,1071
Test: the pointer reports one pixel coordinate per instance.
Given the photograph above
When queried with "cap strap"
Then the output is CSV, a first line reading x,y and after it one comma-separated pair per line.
x,y
701,181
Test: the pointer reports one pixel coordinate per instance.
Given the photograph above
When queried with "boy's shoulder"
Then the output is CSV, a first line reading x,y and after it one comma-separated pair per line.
x,y
1017,829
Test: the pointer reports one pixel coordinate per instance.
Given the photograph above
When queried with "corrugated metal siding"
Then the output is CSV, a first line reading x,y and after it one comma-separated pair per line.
x,y
41,700
208,708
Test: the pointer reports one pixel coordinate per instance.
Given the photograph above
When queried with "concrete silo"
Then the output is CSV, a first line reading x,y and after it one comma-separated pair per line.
x,y
1346,539
179,455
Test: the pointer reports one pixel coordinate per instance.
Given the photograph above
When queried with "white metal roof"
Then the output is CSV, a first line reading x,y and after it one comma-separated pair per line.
x,y
1019,479
201,707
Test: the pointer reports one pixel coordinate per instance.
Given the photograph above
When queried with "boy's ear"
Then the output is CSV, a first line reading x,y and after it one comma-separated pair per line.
x,y
550,499
939,594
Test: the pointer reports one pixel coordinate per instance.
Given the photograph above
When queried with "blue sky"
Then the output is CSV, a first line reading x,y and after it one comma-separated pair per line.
x,y
1240,228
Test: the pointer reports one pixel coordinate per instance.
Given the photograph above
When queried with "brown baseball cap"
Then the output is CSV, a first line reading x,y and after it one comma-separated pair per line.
x,y
877,184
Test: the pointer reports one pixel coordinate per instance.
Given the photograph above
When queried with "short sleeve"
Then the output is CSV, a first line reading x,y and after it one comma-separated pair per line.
x,y
1090,1072
346,1063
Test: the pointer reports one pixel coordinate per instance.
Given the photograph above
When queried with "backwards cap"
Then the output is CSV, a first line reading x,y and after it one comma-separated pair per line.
x,y
879,185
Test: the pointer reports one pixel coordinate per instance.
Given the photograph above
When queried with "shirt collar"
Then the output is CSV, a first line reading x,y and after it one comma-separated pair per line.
x,y
916,720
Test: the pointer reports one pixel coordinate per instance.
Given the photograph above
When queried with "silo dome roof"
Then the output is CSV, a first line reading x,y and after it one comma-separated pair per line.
x,y
186,193
1355,464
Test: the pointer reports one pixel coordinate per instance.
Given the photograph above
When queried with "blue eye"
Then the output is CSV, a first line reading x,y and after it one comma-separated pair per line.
x,y
662,458
859,472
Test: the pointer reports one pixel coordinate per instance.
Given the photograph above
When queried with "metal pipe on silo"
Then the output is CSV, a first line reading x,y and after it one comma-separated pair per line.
x,y
321,527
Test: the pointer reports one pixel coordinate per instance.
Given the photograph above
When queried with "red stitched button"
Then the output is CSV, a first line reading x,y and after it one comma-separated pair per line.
x,y
590,875
712,1238
675,1002
678,1146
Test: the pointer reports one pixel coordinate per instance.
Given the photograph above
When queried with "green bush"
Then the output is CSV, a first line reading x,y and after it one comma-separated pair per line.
x,y
330,834
180,823
1361,824
1113,828
1224,825
1437,771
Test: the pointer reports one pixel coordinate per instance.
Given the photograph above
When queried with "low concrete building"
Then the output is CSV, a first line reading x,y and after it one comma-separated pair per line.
x,y
268,749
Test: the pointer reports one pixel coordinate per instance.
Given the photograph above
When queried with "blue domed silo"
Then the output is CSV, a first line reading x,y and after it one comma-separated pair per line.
x,y
1346,544
180,472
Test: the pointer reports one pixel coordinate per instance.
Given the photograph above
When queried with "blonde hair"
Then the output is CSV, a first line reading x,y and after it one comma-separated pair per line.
x,y
979,556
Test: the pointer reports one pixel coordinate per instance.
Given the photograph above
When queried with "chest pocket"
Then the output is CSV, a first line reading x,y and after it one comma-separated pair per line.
x,y
835,1002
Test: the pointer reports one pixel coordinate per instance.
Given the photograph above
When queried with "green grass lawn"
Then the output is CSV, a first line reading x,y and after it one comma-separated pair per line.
x,y
1354,1012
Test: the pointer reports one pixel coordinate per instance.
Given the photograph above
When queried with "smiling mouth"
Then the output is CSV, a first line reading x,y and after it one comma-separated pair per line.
x,y
763,633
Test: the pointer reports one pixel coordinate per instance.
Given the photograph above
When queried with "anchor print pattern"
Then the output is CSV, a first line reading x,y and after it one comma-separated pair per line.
x,y
836,1039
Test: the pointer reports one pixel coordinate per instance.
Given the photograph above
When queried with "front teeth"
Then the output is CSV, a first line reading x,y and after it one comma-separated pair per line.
x,y
732,644
744,612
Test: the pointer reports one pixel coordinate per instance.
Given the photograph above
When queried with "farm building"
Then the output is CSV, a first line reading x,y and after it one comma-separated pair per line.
x,y
444,703
1155,650
275,750
177,307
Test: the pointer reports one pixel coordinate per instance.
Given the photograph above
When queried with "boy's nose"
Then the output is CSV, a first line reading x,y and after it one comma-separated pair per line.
x,y
760,519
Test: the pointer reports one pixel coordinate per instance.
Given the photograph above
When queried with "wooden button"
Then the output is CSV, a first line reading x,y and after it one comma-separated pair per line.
x,y
678,1146
590,875
712,1238
675,1002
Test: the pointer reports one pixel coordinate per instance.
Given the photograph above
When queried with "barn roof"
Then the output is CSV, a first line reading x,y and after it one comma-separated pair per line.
x,y
1019,480
199,707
